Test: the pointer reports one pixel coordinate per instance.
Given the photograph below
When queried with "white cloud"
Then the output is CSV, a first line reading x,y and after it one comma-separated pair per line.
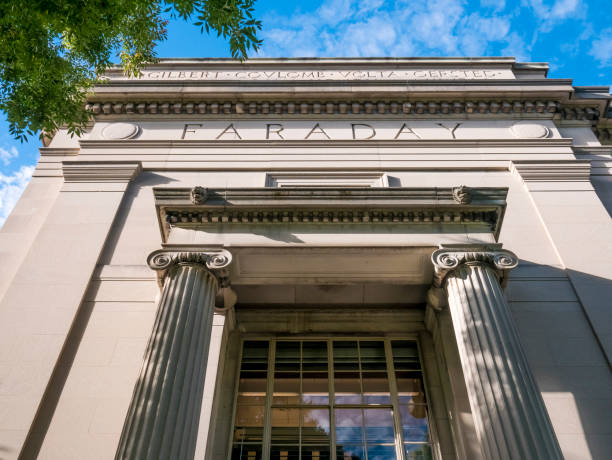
x,y
400,28
7,155
11,188
601,48
497,4
558,11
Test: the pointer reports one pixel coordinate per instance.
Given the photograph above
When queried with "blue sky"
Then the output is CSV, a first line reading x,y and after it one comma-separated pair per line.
x,y
574,36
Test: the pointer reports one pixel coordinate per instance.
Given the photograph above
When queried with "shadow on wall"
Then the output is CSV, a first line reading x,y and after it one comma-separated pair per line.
x,y
566,359
561,347
46,410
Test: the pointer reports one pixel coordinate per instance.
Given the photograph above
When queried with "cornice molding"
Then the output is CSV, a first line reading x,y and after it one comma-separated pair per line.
x,y
100,171
553,171
193,207
58,151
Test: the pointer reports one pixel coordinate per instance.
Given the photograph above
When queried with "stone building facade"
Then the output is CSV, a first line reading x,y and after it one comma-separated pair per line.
x,y
315,259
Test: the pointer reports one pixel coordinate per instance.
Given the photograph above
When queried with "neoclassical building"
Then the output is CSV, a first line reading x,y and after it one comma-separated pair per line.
x,y
315,259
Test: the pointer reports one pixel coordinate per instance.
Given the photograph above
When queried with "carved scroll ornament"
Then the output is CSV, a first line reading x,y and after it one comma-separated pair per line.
x,y
446,260
215,261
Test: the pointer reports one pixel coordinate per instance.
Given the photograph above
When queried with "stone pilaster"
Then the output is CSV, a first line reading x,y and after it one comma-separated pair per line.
x,y
510,416
162,420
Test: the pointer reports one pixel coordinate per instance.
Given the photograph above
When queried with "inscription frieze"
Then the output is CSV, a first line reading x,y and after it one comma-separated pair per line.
x,y
322,75
323,130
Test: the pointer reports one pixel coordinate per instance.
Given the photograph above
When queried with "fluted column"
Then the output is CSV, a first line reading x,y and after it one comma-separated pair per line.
x,y
162,420
510,416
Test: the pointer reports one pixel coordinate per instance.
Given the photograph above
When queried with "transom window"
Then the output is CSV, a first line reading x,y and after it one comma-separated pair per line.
x,y
330,400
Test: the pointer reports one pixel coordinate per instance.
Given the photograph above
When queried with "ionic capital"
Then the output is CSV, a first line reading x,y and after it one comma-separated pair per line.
x,y
449,258
216,261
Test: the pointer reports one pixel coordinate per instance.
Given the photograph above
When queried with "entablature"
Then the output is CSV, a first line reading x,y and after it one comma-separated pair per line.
x,y
201,206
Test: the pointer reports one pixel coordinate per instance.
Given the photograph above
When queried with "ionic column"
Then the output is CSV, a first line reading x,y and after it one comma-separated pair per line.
x,y
510,416
162,420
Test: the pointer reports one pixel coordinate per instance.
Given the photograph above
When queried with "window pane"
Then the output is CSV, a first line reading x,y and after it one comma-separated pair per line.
x,y
382,453
315,388
284,452
410,387
246,452
252,388
315,426
379,426
372,355
255,355
287,356
249,424
286,388
300,416
417,452
405,355
347,388
349,427
315,453
348,452
414,422
314,356
285,426
346,355
376,388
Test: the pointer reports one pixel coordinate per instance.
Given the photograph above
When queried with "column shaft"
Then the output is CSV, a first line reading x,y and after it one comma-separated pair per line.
x,y
162,419
510,416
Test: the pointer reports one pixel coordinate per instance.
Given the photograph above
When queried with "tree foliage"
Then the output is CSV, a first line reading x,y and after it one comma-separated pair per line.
x,y
52,51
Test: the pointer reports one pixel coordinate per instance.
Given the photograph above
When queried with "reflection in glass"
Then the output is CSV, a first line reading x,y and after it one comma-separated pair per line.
x,y
376,388
299,422
347,452
417,452
347,388
286,388
379,425
349,426
249,424
315,388
285,426
250,409
382,453
252,387
315,426
410,387
414,423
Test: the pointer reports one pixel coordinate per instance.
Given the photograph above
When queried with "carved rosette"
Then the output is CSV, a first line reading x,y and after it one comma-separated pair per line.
x,y
446,260
217,262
